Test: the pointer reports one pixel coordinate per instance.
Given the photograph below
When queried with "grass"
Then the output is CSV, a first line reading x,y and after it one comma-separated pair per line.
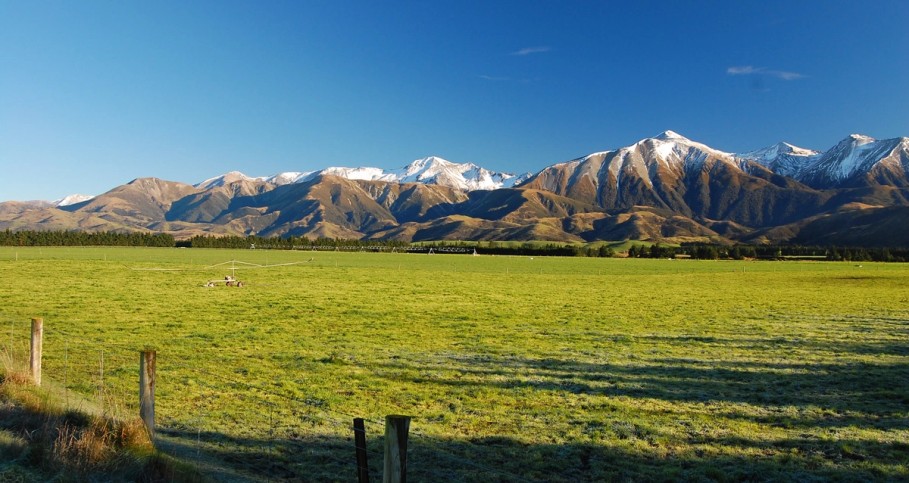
x,y
44,440
514,368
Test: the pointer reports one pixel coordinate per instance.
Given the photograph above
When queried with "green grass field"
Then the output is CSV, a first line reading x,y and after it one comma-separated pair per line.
x,y
513,368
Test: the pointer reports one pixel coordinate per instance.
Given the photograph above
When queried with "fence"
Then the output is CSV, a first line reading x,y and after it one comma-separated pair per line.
x,y
202,416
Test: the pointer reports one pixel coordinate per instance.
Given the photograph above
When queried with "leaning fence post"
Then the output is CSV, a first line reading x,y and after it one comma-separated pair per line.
x,y
147,391
396,428
34,360
360,443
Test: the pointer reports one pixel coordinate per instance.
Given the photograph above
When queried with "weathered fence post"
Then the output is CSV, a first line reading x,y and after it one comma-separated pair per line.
x,y
34,360
147,391
101,380
396,428
360,443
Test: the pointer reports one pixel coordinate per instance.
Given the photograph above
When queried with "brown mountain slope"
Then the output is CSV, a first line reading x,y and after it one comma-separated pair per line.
x,y
207,205
869,227
520,204
460,227
723,191
54,219
414,201
12,208
639,223
142,201
673,173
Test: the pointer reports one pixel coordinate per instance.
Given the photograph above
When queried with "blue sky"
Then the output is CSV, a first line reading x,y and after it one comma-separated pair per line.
x,y
94,94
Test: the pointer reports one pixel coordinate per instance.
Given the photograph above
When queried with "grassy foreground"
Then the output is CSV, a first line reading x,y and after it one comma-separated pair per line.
x,y
43,440
514,368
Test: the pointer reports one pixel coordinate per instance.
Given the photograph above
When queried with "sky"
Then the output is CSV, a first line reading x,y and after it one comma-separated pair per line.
x,y
96,93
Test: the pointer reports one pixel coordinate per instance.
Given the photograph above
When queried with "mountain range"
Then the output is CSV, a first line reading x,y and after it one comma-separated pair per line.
x,y
666,188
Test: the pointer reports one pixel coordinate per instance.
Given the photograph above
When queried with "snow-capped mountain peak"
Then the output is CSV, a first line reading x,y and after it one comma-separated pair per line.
x,y
428,167
855,154
288,177
850,161
860,139
429,170
670,135
226,179
466,176
361,173
671,147
72,200
782,158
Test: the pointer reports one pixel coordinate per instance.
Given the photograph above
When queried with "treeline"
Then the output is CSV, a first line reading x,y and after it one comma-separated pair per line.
x,y
703,251
464,247
30,238
285,243
554,250
524,249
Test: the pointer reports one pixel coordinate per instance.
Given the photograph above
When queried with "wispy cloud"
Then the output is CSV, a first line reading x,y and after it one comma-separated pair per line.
x,y
532,50
752,70
493,78
742,70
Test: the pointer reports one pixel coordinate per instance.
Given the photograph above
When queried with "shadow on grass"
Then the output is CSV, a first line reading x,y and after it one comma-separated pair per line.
x,y
505,460
879,391
812,402
873,393
865,347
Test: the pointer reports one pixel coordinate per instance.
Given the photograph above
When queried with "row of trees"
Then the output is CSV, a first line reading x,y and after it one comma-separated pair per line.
x,y
692,250
285,243
31,238
524,249
706,251
868,254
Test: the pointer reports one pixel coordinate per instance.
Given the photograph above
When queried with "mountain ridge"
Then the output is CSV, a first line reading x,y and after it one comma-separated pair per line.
x,y
666,187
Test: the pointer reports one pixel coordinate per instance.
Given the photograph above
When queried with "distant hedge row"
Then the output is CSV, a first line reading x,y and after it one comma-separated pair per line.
x,y
283,243
770,252
690,250
31,238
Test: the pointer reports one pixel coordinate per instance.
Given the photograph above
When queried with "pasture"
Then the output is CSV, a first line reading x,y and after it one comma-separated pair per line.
x,y
513,368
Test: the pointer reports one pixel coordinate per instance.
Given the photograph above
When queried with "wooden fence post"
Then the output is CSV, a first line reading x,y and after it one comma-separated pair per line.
x,y
147,391
396,428
360,442
34,360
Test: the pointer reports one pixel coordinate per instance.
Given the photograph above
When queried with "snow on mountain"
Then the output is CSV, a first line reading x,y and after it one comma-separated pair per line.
x,y
669,144
72,200
225,179
431,170
669,150
851,159
782,158
362,173
288,177
855,154
660,160
466,176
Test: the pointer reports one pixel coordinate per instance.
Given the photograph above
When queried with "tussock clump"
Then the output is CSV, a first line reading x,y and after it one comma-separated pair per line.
x,y
83,448
51,441
16,377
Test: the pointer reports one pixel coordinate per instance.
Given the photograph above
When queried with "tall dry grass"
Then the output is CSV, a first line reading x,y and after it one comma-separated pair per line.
x,y
59,442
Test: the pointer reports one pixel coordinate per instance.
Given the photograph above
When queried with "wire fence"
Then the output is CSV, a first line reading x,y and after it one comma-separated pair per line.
x,y
229,427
